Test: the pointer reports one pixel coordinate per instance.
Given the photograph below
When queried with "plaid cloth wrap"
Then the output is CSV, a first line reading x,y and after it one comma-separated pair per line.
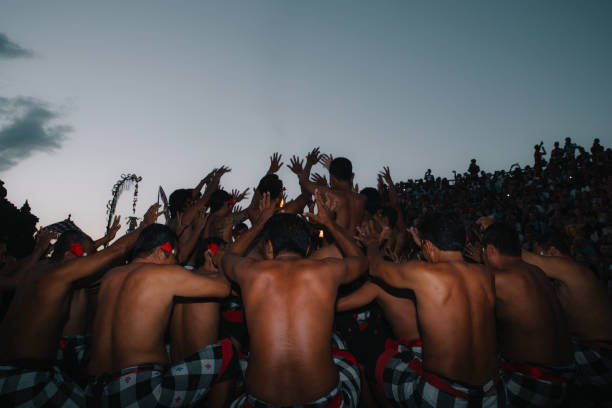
x,y
32,384
593,363
153,385
72,355
403,380
531,385
415,346
346,394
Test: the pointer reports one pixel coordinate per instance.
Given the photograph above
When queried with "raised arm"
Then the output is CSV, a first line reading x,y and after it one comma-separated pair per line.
x,y
83,266
395,275
185,283
361,297
235,253
353,257
112,232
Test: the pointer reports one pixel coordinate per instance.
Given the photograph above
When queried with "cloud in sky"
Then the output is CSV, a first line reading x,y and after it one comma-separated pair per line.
x,y
10,49
25,128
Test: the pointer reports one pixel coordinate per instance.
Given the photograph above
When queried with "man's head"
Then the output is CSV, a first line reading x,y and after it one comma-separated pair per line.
x,y
72,244
552,243
156,243
286,233
373,200
212,245
500,240
341,169
270,183
220,202
179,200
441,231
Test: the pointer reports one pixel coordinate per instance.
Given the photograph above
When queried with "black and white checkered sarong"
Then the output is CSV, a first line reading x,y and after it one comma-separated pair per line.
x,y
153,385
403,380
593,363
531,385
27,384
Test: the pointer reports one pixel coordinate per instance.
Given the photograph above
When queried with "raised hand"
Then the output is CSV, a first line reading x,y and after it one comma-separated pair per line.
x,y
275,163
326,160
386,175
313,157
319,179
367,234
237,196
267,207
209,176
43,239
325,206
236,209
151,215
221,171
296,165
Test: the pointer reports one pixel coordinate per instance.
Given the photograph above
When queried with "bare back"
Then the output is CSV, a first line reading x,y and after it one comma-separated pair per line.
x,y
289,308
103,321
531,324
583,297
193,326
456,312
401,314
36,316
349,208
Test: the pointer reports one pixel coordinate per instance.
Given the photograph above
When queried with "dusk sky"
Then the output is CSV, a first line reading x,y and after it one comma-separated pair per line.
x,y
169,90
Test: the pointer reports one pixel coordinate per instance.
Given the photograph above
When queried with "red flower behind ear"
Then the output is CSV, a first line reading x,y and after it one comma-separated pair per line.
x,y
212,247
76,249
230,201
167,247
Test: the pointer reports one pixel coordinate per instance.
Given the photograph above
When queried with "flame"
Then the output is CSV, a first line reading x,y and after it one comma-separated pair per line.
x,y
282,203
321,234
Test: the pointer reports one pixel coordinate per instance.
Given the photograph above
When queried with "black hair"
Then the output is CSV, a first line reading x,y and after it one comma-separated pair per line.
x,y
218,199
444,229
178,200
287,232
270,183
152,237
341,168
63,242
373,199
504,238
391,215
203,247
554,238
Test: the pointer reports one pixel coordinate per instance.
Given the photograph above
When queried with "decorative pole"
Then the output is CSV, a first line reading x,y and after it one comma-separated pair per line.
x,y
120,186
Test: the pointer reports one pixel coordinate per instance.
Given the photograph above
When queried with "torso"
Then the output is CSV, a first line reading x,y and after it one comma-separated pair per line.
x,y
531,324
459,304
289,308
33,324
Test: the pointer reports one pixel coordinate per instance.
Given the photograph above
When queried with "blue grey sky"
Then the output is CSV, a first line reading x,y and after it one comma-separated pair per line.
x,y
169,90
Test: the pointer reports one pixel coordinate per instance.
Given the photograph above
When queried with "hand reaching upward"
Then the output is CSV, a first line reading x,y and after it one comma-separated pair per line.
x,y
275,163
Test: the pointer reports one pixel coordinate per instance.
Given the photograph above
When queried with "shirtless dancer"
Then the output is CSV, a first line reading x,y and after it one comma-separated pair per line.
x,y
531,326
129,358
289,305
456,314
587,308
32,328
349,204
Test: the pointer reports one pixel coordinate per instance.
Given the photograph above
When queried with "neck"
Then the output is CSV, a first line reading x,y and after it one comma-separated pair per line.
x,y
287,255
